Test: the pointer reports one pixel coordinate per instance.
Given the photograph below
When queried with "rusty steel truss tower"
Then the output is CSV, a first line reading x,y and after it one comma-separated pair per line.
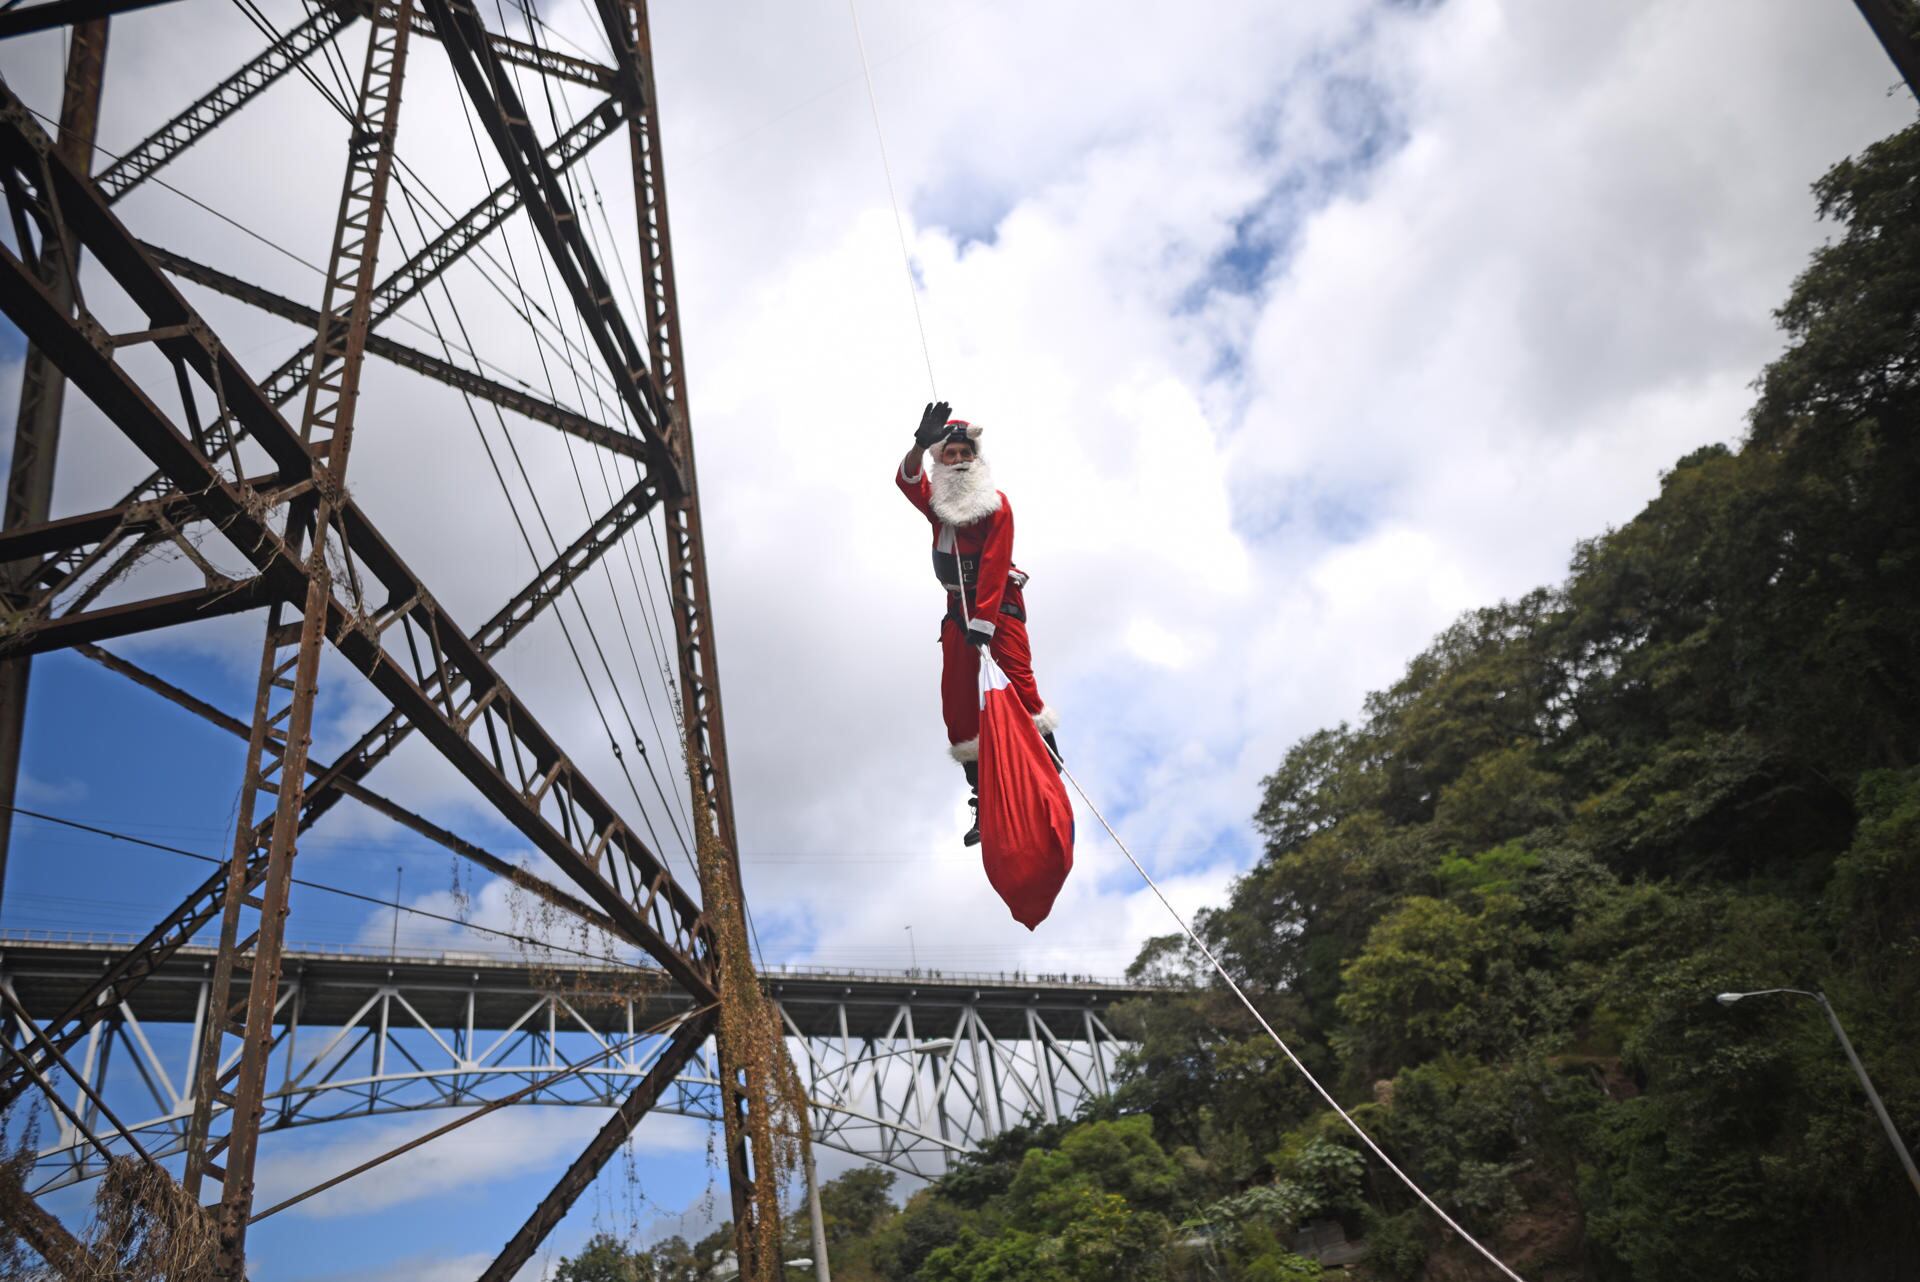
x,y
322,570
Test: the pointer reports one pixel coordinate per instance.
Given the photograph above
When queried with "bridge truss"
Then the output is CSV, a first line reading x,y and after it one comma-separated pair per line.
x,y
257,464
906,1071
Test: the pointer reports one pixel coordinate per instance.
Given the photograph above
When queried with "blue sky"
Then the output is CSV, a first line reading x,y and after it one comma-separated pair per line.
x,y
1296,331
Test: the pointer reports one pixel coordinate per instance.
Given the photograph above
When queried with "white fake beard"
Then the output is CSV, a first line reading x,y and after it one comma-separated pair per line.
x,y
962,493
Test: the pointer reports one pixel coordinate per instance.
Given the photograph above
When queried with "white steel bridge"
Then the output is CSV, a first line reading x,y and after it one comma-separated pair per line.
x,y
903,1068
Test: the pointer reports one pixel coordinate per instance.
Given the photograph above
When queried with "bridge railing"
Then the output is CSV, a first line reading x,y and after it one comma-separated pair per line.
x,y
778,970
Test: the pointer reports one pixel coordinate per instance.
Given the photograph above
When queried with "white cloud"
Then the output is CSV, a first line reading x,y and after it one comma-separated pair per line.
x,y
508,1142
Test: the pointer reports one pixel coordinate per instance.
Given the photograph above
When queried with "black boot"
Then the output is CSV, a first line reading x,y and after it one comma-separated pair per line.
x,y
973,781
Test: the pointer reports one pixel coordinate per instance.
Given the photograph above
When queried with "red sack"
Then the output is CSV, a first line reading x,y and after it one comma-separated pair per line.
x,y
1026,820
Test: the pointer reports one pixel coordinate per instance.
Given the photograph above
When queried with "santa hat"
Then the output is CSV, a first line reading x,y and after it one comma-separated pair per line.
x,y
958,429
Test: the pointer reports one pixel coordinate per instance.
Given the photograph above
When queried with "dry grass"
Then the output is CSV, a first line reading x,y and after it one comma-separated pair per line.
x,y
146,1229
759,1074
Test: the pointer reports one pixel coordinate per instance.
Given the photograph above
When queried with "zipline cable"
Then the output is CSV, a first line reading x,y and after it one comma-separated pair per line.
x,y
1253,1010
899,227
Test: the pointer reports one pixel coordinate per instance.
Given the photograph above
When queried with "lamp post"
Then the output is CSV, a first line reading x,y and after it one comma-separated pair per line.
x,y
913,952
1860,1070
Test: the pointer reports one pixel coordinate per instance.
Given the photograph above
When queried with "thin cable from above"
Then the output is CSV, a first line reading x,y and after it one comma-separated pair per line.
x,y
899,226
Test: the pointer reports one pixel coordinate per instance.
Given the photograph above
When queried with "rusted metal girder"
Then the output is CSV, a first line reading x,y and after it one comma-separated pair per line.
x,y
215,601
131,968
702,721
366,796
139,162
50,1239
579,1176
1897,26
440,681
279,386
412,276
21,19
255,916
508,125
36,439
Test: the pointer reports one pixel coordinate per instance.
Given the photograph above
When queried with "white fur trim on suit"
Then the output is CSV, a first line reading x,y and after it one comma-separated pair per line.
x,y
965,752
911,478
1047,720
983,626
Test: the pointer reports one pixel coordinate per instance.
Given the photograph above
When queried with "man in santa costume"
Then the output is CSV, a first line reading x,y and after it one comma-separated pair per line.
x,y
973,559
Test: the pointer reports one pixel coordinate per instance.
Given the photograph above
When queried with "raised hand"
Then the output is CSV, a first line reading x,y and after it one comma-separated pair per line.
x,y
933,421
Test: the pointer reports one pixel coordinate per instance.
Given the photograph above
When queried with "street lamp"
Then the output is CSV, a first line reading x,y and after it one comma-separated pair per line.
x,y
1873,1096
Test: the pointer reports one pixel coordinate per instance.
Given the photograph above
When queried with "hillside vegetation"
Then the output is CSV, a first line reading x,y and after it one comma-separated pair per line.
x,y
1493,914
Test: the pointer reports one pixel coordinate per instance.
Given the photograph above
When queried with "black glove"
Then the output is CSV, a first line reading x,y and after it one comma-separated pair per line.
x,y
933,423
978,638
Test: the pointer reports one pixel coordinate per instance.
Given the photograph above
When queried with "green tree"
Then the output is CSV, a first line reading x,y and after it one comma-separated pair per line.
x,y
606,1258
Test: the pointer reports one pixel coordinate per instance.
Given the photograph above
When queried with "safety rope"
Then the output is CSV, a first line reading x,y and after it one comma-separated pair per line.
x,y
1415,1189
899,227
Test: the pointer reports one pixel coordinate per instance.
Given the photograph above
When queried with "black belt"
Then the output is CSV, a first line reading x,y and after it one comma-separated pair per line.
x,y
1008,605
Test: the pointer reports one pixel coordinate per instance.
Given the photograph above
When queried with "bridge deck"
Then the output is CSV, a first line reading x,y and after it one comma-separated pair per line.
x,y
47,974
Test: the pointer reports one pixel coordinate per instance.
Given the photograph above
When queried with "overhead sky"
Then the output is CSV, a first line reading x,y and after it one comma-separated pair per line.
x,y
1297,330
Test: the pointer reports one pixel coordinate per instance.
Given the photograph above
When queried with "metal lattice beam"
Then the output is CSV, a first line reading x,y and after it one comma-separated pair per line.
x,y
36,440
902,1070
448,690
328,574
704,724
579,1176
285,381
253,920
508,124
139,162
117,981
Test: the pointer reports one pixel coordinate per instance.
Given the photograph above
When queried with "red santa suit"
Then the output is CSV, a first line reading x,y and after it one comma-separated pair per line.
x,y
973,559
